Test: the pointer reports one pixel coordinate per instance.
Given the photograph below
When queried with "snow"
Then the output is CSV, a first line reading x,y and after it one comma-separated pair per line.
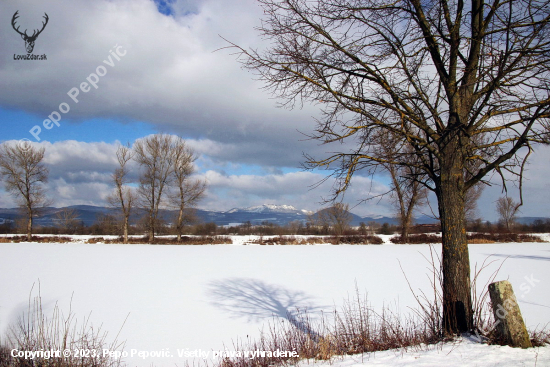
x,y
265,208
182,297
463,352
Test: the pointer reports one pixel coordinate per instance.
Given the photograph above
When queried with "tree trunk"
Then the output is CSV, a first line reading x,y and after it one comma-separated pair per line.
x,y
180,224
126,220
29,228
151,228
457,302
151,234
406,219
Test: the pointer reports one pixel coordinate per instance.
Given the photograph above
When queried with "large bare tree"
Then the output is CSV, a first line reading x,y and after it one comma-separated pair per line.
x,y
186,191
124,197
155,155
24,176
453,79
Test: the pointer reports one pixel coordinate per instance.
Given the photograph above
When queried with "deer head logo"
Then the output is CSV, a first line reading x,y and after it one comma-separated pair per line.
x,y
29,40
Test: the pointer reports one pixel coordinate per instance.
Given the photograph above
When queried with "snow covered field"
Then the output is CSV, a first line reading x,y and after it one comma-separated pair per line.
x,y
204,297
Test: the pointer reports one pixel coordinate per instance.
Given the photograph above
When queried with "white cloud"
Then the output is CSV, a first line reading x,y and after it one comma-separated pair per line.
x,y
80,173
170,77
304,190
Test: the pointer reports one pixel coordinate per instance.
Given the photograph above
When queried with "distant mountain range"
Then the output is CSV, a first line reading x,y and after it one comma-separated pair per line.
x,y
277,214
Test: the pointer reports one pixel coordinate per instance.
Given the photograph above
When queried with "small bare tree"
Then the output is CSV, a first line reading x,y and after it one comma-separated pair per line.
x,y
470,201
24,176
408,194
106,223
407,189
67,219
507,209
337,217
186,191
124,197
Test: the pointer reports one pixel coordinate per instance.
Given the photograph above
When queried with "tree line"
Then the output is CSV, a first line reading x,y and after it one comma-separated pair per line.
x,y
166,166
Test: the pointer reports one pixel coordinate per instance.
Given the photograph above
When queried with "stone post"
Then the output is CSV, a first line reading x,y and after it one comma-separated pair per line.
x,y
509,323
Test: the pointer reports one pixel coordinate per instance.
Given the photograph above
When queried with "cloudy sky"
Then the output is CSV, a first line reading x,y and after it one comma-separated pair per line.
x,y
162,67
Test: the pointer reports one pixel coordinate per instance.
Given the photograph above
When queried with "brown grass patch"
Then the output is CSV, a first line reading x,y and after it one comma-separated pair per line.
x,y
334,240
40,239
185,240
473,238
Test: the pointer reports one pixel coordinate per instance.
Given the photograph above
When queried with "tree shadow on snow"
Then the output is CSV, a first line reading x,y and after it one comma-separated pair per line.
x,y
255,300
527,257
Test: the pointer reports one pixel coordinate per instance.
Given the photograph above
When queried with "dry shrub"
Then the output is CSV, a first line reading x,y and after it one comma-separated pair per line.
x,y
477,241
356,328
355,240
185,240
36,331
40,239
502,237
473,238
417,239
540,338
289,240
335,240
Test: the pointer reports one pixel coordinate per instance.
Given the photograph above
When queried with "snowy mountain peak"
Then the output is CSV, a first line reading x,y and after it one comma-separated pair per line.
x,y
266,208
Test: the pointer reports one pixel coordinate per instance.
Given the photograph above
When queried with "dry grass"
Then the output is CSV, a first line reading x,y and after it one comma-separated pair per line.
x,y
288,240
185,240
414,239
502,237
474,238
355,240
540,338
334,240
477,241
36,331
355,329
40,239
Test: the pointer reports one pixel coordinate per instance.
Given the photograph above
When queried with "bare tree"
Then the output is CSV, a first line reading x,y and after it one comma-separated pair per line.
x,y
337,216
106,223
155,155
437,75
187,191
24,176
124,197
408,195
507,209
470,201
67,219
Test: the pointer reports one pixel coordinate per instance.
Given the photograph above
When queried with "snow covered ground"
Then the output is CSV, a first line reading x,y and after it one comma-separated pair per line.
x,y
178,298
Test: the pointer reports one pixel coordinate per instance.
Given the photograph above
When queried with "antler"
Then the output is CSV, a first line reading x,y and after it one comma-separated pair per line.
x,y
44,23
15,16
34,35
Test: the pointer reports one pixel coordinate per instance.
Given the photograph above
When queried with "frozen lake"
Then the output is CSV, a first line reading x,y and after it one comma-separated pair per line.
x,y
205,297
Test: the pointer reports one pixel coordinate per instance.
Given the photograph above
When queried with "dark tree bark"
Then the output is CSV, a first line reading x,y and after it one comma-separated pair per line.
x,y
457,302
